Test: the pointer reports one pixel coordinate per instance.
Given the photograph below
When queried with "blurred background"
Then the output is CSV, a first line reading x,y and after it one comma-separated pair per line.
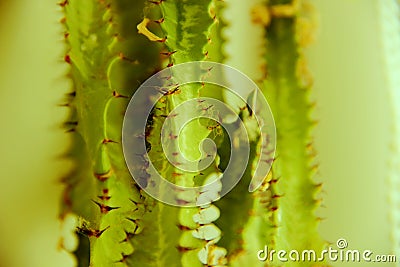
x,y
355,63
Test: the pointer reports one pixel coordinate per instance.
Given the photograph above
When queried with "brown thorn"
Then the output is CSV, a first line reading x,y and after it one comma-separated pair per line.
x,y
134,202
159,21
105,195
168,54
92,232
104,198
123,57
66,196
129,235
135,221
207,108
98,233
181,202
104,209
184,249
67,59
71,123
163,40
106,141
63,3
174,91
72,94
183,228
103,176
135,209
172,136
268,161
173,115
274,181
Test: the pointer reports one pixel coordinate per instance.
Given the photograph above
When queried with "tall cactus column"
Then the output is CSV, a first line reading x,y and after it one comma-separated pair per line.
x,y
190,31
287,87
107,62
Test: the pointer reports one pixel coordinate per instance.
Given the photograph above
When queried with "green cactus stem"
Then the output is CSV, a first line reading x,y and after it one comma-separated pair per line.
x,y
287,89
189,31
107,63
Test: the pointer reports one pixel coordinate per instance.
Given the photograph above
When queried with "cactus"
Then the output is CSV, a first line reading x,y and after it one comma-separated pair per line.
x,y
113,46
104,66
287,89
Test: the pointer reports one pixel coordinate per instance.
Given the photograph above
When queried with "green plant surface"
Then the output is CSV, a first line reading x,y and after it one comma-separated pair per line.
x,y
190,30
118,223
106,65
245,217
112,210
287,89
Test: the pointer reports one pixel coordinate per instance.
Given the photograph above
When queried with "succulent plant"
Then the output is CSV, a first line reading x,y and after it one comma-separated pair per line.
x,y
114,46
287,89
